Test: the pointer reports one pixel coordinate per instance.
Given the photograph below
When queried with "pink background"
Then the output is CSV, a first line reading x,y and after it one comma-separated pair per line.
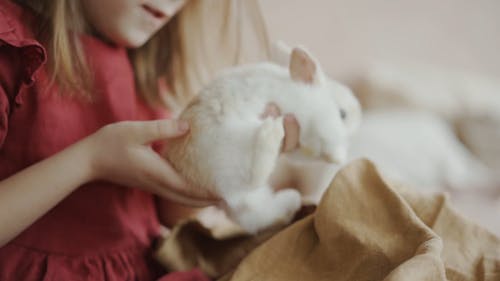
x,y
347,35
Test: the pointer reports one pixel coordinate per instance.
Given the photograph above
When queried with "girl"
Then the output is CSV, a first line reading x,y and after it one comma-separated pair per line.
x,y
78,82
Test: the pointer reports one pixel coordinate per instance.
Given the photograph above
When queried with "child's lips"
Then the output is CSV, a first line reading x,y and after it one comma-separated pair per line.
x,y
154,12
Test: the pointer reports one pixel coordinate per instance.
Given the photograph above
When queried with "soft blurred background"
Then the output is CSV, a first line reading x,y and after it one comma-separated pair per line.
x,y
428,76
346,35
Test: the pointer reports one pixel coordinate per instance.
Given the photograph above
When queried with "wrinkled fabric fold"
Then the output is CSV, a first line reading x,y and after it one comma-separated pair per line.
x,y
365,228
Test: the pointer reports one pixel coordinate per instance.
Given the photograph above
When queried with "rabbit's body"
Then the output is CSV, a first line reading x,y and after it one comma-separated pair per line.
x,y
231,150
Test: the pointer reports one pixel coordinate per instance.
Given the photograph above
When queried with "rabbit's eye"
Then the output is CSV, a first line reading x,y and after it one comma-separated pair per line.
x,y
343,114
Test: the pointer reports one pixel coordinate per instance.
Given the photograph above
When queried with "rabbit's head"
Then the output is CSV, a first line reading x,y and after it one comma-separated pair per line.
x,y
335,113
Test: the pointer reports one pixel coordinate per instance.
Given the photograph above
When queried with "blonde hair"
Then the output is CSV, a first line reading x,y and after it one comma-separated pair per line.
x,y
204,37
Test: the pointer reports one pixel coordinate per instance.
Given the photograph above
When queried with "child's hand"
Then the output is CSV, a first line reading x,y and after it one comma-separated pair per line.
x,y
292,129
121,153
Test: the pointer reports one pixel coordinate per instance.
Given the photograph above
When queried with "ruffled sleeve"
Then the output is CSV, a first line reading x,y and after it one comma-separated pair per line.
x,y
4,111
7,84
21,55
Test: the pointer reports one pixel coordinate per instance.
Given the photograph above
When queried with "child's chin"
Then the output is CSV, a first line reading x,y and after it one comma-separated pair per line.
x,y
132,42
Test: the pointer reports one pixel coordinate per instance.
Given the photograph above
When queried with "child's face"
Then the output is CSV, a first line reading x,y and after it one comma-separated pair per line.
x,y
130,23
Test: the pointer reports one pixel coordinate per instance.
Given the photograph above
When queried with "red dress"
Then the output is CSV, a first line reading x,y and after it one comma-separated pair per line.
x,y
101,231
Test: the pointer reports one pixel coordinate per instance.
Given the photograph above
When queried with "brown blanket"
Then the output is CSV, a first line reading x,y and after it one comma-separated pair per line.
x,y
365,228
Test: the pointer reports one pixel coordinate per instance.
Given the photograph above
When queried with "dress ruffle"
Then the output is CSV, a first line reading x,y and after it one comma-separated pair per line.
x,y
21,263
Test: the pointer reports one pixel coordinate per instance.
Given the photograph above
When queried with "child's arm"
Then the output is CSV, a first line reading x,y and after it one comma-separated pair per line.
x,y
27,195
119,153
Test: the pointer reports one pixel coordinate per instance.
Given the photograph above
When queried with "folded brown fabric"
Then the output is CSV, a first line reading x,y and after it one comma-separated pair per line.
x,y
365,228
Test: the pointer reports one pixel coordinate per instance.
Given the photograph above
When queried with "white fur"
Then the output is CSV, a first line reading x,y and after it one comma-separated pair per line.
x,y
238,150
418,148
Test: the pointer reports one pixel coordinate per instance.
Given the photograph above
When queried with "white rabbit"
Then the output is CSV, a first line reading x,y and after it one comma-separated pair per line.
x,y
231,150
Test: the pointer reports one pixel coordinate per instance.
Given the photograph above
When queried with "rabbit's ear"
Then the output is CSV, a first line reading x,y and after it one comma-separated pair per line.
x,y
303,68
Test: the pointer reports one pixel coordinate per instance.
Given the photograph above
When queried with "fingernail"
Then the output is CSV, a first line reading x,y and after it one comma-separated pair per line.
x,y
182,126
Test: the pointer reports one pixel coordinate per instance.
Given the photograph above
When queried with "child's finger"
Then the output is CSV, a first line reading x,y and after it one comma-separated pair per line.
x,y
149,131
292,131
173,186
